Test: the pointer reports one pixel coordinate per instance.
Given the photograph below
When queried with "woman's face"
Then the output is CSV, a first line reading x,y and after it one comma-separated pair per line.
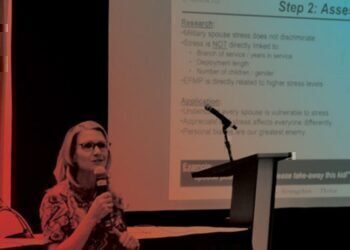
x,y
91,150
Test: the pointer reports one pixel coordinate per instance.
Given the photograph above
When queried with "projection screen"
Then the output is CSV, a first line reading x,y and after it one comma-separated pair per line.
x,y
277,69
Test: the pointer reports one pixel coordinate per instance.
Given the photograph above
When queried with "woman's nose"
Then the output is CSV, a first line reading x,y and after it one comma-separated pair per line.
x,y
96,150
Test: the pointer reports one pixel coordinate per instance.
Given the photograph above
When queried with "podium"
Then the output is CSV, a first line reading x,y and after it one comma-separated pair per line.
x,y
253,193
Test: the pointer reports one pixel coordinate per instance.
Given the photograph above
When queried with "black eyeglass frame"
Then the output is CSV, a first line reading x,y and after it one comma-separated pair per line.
x,y
90,146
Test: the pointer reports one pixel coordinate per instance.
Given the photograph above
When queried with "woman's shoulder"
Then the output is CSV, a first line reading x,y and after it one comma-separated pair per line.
x,y
57,193
54,213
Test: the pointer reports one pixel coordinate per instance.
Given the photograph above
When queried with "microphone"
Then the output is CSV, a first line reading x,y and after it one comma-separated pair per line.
x,y
101,180
225,122
101,187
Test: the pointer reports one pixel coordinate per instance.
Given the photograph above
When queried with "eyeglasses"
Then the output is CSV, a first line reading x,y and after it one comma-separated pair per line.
x,y
90,146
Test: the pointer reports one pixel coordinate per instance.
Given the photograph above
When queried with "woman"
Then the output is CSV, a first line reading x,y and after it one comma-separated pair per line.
x,y
72,214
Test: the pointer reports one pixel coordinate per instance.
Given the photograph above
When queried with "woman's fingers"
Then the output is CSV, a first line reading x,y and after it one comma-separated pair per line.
x,y
128,241
102,206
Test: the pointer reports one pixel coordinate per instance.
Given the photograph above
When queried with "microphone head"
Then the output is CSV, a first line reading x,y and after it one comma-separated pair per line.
x,y
100,170
101,179
207,107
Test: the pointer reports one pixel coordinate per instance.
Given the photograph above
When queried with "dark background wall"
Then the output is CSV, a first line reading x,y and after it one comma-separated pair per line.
x,y
60,58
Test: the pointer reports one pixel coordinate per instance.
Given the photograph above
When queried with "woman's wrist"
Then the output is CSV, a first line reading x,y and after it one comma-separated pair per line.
x,y
91,220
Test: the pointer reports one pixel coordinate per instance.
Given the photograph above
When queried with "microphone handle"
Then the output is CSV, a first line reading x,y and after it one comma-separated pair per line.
x,y
101,190
107,220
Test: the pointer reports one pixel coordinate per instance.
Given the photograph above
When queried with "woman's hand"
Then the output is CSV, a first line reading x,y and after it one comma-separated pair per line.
x,y
101,206
129,241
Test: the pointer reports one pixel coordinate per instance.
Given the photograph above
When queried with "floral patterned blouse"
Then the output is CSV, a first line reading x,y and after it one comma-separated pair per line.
x,y
65,205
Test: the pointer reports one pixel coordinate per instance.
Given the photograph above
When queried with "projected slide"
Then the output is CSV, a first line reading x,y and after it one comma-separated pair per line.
x,y
278,69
